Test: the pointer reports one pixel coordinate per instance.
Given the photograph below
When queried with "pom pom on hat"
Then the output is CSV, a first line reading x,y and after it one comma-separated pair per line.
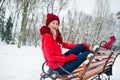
x,y
51,17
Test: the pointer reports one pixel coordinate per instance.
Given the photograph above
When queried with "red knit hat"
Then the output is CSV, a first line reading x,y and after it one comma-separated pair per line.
x,y
51,17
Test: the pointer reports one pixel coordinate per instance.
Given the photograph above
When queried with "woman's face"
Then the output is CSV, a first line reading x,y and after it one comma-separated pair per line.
x,y
53,25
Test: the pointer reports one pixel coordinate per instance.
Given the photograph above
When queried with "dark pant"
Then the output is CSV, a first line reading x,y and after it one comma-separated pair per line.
x,y
109,72
79,50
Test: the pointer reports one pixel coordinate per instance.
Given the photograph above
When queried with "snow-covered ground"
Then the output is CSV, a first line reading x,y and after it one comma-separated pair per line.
x,y
20,63
25,63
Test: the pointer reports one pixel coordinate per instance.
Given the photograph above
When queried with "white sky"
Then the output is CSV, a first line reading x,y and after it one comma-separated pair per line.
x,y
88,5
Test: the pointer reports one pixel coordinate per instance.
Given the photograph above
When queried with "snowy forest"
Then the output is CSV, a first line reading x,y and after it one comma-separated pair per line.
x,y
20,21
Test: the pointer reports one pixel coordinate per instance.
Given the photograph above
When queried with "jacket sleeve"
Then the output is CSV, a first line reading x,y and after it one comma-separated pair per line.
x,y
68,46
49,50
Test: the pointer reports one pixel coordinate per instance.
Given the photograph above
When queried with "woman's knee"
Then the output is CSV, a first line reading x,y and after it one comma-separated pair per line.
x,y
80,48
84,55
76,50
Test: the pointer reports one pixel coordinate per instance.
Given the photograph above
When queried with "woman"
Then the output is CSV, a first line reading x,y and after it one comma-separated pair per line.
x,y
52,44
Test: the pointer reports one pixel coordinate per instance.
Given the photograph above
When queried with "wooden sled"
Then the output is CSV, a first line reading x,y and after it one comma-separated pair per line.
x,y
92,68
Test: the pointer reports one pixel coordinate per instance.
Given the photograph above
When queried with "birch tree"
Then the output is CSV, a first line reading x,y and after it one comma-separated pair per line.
x,y
62,4
54,6
118,15
28,6
22,35
101,15
2,23
1,3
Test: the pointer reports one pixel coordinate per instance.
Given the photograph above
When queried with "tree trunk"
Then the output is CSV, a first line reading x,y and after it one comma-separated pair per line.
x,y
22,35
1,3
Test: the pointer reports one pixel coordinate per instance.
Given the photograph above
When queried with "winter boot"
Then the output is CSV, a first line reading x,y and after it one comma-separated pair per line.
x,y
109,43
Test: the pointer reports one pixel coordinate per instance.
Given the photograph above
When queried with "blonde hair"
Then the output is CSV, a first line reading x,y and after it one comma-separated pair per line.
x,y
54,34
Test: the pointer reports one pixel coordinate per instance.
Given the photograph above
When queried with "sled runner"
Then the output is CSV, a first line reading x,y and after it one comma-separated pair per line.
x,y
92,68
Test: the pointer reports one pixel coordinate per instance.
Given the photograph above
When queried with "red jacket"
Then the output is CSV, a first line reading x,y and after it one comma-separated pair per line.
x,y
52,50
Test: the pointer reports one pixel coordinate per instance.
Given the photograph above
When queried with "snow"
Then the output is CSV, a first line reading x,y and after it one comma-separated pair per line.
x,y
20,63
25,63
